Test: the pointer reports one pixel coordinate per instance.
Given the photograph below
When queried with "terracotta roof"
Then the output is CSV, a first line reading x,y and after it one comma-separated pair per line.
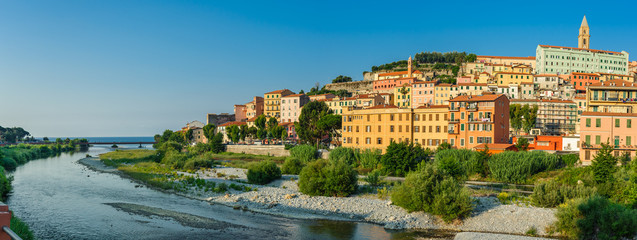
x,y
444,85
472,84
501,57
383,106
483,98
239,105
496,146
542,100
613,83
286,123
293,95
518,73
252,119
613,74
398,73
583,49
485,73
278,91
609,114
581,73
232,123
433,106
546,75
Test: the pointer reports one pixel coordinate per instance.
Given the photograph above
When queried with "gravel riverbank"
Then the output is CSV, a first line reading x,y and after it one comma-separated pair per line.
x,y
282,198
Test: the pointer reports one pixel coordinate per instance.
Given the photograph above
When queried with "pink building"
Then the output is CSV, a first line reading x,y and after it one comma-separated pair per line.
x,y
422,93
290,129
388,85
254,108
291,107
615,129
240,113
464,79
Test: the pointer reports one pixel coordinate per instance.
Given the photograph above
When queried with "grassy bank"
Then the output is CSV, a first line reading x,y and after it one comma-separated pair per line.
x,y
118,157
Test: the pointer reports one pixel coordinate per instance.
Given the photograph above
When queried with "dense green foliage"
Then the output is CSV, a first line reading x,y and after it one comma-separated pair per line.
x,y
216,144
523,116
292,165
596,218
21,228
552,194
401,158
434,191
466,158
604,164
374,178
13,134
317,121
328,178
263,172
341,79
516,167
5,184
570,160
369,158
305,153
347,155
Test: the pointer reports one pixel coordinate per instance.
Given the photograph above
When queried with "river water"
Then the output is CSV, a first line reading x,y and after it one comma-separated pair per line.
x,y
62,199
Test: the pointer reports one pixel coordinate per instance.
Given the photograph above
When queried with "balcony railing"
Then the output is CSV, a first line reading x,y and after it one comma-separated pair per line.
x,y
457,120
452,131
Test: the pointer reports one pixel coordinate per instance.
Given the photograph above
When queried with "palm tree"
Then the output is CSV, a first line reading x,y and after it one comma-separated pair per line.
x,y
404,91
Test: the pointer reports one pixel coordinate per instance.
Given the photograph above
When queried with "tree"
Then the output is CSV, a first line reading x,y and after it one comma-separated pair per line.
x,y
308,125
401,158
522,144
341,79
530,117
471,58
330,124
216,143
188,135
272,123
232,132
443,146
260,121
284,135
483,157
604,164
45,139
515,114
244,131
209,131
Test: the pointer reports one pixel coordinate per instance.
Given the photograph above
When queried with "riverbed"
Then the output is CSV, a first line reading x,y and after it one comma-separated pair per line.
x,y
61,199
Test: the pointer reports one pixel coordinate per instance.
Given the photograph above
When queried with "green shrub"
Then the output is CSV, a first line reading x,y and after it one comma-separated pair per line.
x,y
8,163
401,158
516,167
604,164
292,165
467,159
327,178
596,218
174,159
344,154
200,148
221,187
5,184
373,178
305,153
263,172
451,166
570,160
21,228
201,161
552,194
369,158
216,144
432,190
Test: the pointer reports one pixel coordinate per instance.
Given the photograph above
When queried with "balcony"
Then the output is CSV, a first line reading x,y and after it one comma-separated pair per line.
x,y
455,109
457,120
453,132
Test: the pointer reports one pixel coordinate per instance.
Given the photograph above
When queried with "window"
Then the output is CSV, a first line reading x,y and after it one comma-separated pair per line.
x,y
391,117
598,122
368,140
416,129
588,122
617,123
400,128
391,128
598,139
462,142
368,129
629,141
461,127
628,123
379,141
430,130
437,129
470,140
378,128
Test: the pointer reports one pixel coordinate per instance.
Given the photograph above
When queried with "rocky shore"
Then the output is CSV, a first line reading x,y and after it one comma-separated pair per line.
x,y
282,198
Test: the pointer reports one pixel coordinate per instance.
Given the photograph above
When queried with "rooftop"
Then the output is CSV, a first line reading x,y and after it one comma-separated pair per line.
x,y
582,49
609,114
278,91
479,98
614,83
502,57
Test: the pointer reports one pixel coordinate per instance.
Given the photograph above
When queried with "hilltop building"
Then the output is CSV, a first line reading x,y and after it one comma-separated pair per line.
x,y
291,106
254,108
565,60
272,102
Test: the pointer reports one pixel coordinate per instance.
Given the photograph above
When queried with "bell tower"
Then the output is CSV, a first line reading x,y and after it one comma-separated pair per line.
x,y
409,67
584,38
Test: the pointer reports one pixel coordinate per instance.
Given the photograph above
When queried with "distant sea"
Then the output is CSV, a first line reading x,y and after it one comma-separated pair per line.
x,y
111,139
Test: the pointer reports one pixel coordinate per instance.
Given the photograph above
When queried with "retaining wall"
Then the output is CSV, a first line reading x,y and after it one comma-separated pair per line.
x,y
272,150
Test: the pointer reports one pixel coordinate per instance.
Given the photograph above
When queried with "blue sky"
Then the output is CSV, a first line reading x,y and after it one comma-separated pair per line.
x,y
135,68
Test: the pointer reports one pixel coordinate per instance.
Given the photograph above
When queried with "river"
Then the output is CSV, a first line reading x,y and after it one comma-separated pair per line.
x,y
62,199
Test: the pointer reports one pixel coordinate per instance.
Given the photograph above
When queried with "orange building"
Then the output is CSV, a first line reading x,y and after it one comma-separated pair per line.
x,y
547,143
495,148
582,80
476,120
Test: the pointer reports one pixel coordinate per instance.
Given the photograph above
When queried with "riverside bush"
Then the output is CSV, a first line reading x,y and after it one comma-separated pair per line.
x,y
596,218
197,162
466,158
327,178
451,166
432,190
263,172
570,159
21,228
516,167
369,158
305,153
175,160
402,158
373,178
292,165
552,194
5,184
8,163
344,154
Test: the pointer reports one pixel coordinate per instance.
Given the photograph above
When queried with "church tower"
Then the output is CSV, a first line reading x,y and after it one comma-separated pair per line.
x,y
584,38
409,67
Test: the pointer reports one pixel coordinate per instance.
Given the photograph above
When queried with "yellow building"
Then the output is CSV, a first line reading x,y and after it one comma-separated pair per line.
x,y
442,93
272,102
402,96
377,127
506,78
484,77
610,76
617,96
